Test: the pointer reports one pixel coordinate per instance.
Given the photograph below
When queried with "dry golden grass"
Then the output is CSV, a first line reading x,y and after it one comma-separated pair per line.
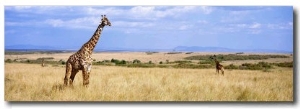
x,y
31,82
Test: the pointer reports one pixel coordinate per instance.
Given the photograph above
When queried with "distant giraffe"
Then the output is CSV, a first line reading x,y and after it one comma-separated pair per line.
x,y
43,62
82,60
218,66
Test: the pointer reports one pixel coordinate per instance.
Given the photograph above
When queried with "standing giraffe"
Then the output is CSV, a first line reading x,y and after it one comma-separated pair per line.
x,y
218,66
81,60
43,62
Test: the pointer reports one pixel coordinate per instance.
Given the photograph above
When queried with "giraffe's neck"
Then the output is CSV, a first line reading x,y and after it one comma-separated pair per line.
x,y
217,62
89,46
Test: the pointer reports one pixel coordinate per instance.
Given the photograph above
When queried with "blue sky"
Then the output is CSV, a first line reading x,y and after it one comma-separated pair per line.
x,y
152,27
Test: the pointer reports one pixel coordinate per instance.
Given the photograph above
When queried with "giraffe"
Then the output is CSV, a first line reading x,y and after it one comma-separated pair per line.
x,y
82,60
43,62
218,66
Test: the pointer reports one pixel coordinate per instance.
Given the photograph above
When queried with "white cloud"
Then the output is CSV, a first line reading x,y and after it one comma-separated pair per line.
x,y
37,9
241,25
206,9
55,22
255,25
22,7
202,21
132,24
230,19
288,25
256,31
79,23
141,12
184,27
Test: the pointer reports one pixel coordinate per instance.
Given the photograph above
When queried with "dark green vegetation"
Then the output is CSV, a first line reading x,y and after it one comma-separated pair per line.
x,y
207,60
47,60
231,57
203,62
265,66
29,51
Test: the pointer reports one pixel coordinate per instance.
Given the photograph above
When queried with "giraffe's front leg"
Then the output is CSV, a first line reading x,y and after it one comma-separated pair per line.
x,y
86,76
86,73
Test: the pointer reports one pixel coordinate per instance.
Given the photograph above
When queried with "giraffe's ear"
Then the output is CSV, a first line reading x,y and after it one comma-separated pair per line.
x,y
104,15
101,15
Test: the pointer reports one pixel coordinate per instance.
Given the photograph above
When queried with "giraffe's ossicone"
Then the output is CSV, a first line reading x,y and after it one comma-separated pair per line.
x,y
82,60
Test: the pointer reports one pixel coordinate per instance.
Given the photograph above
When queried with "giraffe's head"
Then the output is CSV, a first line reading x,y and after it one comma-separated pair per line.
x,y
214,57
105,21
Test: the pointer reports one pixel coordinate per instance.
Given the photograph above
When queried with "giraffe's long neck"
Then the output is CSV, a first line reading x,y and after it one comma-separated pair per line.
x,y
89,46
217,62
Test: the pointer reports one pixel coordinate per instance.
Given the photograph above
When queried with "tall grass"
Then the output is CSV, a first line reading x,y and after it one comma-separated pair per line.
x,y
31,82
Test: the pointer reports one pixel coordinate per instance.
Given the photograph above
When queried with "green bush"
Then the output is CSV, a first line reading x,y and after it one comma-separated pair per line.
x,y
182,62
8,61
45,58
284,64
136,61
122,62
141,65
193,66
231,66
258,66
235,57
118,62
160,62
162,66
206,62
63,62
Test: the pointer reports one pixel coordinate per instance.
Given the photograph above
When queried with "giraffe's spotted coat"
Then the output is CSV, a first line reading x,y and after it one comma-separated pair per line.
x,y
82,60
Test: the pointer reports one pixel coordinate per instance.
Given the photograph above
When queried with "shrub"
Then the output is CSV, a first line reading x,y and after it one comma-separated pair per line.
x,y
193,66
162,66
122,62
174,52
118,62
114,60
258,66
136,61
183,62
235,57
264,65
205,62
284,64
8,60
45,58
231,66
63,62
160,62
141,65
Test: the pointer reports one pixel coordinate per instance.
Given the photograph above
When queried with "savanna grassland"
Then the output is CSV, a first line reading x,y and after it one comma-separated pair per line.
x,y
31,82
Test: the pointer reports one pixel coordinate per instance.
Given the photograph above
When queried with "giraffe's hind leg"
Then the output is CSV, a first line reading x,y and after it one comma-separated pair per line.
x,y
68,73
222,69
73,74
